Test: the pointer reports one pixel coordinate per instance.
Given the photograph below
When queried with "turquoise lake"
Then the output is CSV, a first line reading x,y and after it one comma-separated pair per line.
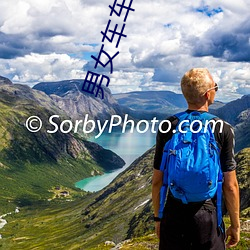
x,y
129,146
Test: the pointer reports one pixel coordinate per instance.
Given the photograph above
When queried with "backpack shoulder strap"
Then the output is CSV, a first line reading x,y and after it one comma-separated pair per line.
x,y
182,115
208,116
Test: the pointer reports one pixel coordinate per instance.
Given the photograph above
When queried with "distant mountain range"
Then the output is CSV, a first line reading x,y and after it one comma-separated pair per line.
x,y
231,111
66,95
149,104
139,105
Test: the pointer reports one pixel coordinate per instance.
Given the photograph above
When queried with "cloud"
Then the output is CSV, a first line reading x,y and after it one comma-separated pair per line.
x,y
231,45
164,40
34,68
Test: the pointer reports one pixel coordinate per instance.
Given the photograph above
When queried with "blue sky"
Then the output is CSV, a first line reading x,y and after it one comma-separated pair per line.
x,y
54,40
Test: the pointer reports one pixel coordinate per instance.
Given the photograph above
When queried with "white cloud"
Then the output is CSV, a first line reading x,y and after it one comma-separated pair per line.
x,y
47,40
35,68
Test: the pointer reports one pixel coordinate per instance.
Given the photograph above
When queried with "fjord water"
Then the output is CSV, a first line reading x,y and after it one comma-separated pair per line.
x,y
129,146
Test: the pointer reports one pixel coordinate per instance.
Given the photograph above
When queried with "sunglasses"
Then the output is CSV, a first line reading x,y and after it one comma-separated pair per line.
x,y
216,87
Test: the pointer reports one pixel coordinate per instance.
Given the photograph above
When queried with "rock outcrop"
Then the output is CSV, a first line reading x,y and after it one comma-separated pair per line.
x,y
4,80
76,103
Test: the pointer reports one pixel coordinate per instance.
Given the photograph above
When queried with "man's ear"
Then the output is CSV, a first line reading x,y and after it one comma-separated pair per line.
x,y
207,95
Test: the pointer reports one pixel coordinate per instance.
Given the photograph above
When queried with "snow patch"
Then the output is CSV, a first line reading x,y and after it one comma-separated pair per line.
x,y
142,204
143,186
2,223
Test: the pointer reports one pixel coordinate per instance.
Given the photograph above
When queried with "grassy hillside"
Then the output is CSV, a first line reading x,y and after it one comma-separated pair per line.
x,y
51,225
86,222
243,175
31,164
242,130
121,211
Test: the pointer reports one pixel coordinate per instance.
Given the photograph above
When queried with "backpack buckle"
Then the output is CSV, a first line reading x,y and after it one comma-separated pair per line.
x,y
172,152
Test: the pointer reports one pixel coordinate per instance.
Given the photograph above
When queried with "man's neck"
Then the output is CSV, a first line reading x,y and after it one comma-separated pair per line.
x,y
198,107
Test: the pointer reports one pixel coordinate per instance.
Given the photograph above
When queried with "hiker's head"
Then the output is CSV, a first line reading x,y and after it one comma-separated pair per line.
x,y
198,86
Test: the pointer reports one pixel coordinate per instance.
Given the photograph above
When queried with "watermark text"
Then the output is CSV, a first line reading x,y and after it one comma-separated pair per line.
x,y
87,125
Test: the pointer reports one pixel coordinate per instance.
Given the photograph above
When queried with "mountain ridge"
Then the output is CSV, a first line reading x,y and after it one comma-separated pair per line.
x,y
58,159
230,111
4,80
68,96
237,113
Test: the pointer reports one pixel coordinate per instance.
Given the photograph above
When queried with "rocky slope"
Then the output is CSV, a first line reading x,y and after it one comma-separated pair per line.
x,y
126,205
243,175
232,110
68,97
31,163
242,130
237,114
4,80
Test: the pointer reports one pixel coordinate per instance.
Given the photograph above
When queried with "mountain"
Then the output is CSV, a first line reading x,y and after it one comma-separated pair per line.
x,y
232,110
32,163
4,80
216,105
141,105
237,114
151,100
106,215
122,210
149,104
242,130
138,105
243,175
76,104
38,166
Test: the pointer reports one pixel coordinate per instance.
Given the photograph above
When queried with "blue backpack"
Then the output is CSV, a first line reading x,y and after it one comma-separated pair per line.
x,y
191,162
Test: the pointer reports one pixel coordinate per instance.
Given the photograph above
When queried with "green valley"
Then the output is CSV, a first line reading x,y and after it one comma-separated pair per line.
x,y
32,163
38,172
123,210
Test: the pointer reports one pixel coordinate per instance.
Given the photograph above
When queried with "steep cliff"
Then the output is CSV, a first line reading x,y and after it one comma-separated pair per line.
x,y
67,95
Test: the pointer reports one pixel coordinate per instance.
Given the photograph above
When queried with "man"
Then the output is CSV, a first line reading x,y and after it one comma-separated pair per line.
x,y
194,225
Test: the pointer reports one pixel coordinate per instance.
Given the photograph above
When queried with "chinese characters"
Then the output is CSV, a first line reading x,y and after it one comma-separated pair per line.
x,y
92,83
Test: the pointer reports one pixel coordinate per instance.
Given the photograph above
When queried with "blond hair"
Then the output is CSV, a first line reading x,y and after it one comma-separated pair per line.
x,y
195,83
